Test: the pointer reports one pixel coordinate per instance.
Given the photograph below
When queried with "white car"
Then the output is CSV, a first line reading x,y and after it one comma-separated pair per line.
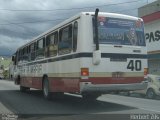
x,y
1,77
153,88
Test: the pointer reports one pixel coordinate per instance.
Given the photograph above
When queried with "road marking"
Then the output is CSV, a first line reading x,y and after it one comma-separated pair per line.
x,y
149,110
128,102
3,109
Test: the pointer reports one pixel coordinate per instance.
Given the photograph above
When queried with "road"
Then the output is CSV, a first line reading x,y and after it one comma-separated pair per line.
x,y
12,101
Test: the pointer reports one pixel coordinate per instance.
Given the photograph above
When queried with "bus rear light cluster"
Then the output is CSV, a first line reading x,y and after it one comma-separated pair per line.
x,y
84,72
145,71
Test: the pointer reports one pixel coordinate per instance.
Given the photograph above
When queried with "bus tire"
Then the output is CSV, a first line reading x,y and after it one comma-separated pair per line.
x,y
24,89
17,80
46,92
150,94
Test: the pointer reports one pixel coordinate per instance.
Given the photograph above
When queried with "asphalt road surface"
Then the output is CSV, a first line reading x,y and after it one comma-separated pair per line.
x,y
32,105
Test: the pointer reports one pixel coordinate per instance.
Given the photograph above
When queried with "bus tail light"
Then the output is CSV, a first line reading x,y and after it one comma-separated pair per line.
x,y
145,71
84,72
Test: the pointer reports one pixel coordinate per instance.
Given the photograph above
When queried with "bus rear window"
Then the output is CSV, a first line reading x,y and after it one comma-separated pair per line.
x,y
120,31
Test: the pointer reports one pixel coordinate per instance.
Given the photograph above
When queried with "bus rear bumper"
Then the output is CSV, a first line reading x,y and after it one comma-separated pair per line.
x,y
107,88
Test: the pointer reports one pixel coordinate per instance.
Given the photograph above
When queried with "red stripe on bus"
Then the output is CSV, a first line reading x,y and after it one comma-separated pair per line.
x,y
64,84
33,82
112,80
73,84
151,17
56,84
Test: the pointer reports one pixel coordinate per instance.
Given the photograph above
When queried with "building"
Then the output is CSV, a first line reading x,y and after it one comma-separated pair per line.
x,y
151,16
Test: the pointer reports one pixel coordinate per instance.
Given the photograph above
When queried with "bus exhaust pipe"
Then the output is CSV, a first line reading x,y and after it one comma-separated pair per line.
x,y
97,52
96,29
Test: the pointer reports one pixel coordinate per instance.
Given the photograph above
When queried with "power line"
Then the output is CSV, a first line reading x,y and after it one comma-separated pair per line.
x,y
54,20
126,10
35,21
21,26
74,8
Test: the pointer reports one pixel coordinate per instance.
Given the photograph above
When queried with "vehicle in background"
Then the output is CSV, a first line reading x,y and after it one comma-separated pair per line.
x,y
153,88
1,77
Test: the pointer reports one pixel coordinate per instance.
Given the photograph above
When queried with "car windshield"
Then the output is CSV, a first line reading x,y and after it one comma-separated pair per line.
x,y
120,31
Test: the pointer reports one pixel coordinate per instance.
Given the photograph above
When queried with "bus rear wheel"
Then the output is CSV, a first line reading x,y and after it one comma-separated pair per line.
x,y
24,89
46,92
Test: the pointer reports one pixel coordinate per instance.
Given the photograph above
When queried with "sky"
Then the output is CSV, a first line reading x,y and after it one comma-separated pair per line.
x,y
22,20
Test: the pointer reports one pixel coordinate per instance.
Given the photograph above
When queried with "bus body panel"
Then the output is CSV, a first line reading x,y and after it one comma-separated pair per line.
x,y
121,67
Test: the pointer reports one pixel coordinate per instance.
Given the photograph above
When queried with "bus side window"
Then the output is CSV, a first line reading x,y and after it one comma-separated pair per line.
x,y
65,40
51,44
40,49
16,58
25,54
29,52
32,49
47,46
19,55
75,35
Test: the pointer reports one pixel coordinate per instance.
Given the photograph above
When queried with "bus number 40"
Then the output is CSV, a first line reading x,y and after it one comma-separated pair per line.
x,y
134,65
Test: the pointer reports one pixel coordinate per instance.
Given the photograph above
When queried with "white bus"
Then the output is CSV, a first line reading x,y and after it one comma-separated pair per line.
x,y
90,54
